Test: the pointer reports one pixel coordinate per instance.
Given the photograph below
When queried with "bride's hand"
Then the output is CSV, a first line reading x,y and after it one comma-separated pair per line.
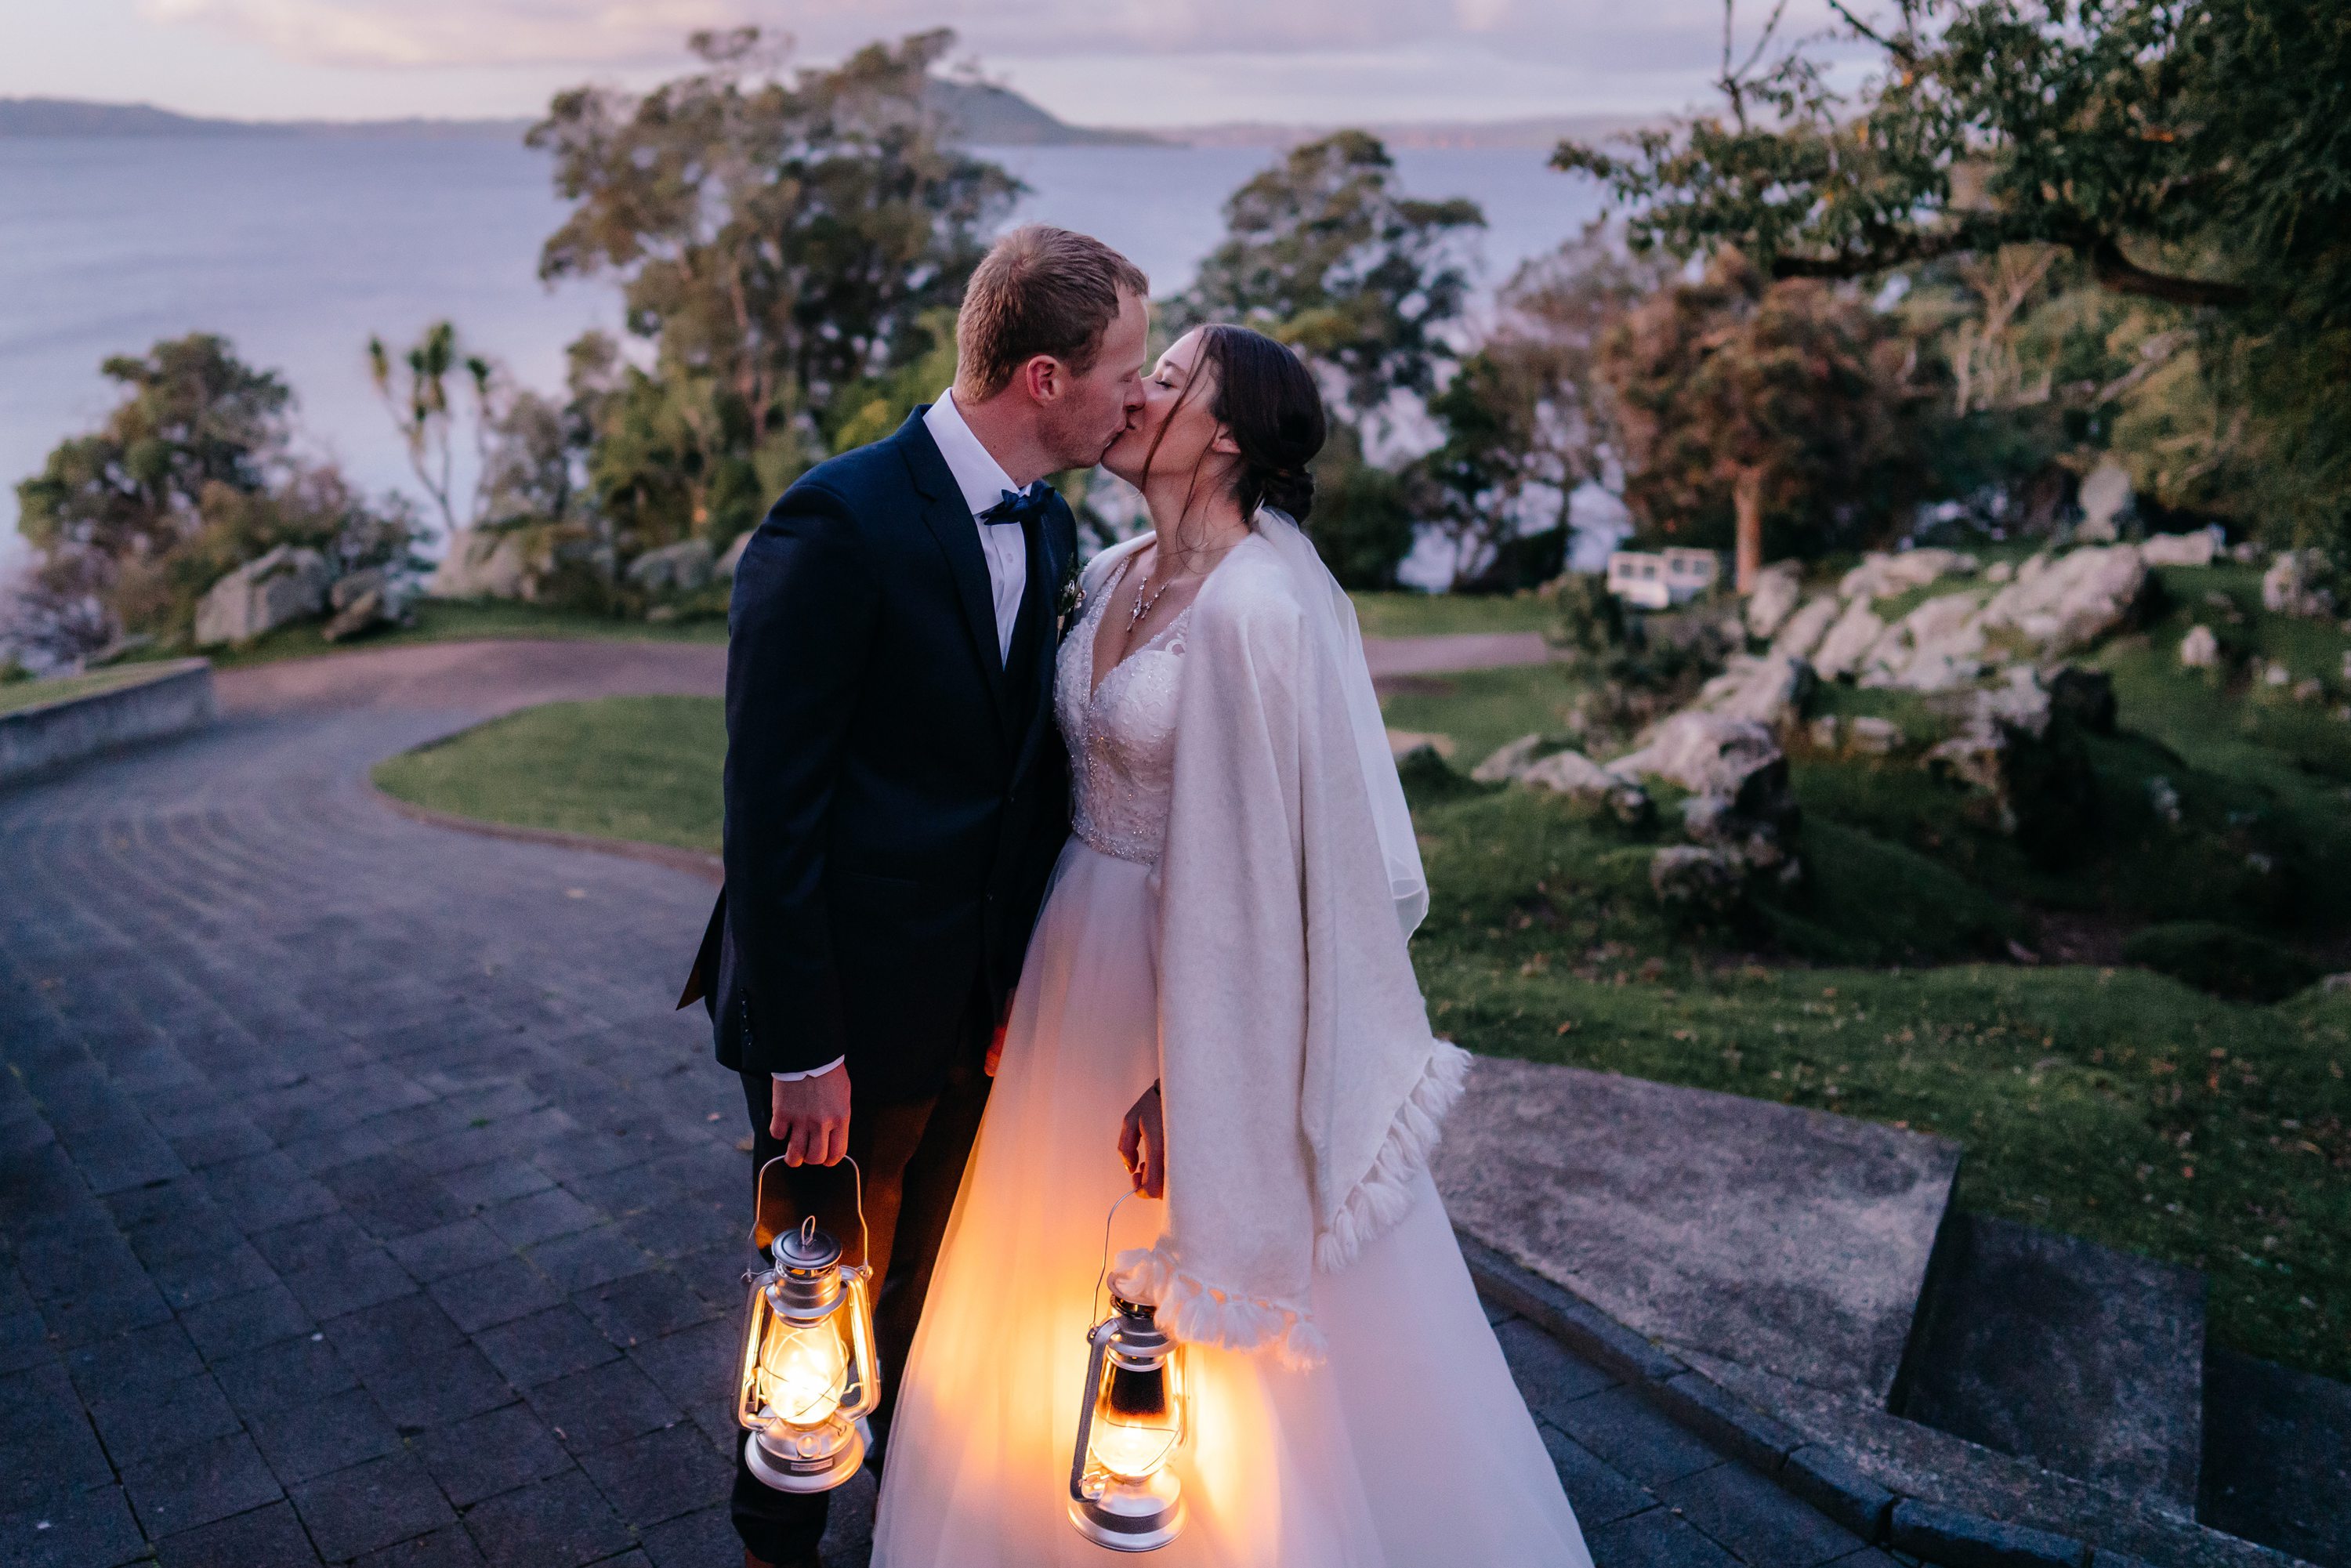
x,y
1143,1144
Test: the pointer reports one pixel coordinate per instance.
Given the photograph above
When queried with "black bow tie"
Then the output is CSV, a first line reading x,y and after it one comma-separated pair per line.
x,y
1020,507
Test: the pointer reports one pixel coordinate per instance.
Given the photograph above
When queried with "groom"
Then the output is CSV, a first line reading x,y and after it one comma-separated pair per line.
x,y
896,789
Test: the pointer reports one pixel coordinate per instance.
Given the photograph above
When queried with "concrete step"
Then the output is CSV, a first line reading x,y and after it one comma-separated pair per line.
x,y
1782,1238
2277,1457
2083,1360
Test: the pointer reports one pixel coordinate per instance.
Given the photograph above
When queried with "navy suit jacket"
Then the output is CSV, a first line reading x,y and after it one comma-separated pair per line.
x,y
896,794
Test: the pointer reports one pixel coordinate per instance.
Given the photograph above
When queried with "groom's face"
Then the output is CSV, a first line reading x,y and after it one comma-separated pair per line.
x,y
1094,408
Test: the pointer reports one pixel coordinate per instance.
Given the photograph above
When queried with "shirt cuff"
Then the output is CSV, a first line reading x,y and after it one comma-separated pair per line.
x,y
811,1073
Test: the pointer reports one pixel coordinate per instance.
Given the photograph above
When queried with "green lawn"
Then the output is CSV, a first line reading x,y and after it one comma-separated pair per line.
x,y
2112,1103
1439,614
618,768
446,620
453,621
20,695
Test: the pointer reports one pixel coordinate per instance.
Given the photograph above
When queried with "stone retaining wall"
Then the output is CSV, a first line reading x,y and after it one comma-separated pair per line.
x,y
178,698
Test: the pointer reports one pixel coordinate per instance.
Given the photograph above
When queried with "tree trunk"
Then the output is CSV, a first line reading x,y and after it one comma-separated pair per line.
x,y
1747,498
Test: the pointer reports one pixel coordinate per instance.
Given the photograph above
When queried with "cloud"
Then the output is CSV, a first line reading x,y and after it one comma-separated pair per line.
x,y
626,33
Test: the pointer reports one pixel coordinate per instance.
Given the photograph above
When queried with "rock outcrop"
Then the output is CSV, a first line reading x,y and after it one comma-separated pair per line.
x,y
1849,642
1938,646
484,563
2059,603
2290,587
681,568
1803,631
1770,690
1737,777
1572,774
363,601
1775,598
1881,576
287,584
2197,548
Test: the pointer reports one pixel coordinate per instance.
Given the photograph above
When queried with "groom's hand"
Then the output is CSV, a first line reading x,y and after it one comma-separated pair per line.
x,y
1143,1144
809,1116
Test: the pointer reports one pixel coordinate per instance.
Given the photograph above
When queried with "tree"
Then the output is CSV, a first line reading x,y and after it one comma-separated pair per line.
x,y
192,474
776,241
1325,253
423,414
1525,417
2195,153
1758,405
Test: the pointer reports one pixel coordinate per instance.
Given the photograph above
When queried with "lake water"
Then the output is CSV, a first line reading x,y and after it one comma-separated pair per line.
x,y
296,249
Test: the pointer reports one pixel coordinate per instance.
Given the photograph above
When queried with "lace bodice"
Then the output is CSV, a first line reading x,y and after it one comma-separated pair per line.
x,y
1122,735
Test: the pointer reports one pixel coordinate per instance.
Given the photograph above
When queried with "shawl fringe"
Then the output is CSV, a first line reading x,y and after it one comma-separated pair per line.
x,y
1385,1195
1197,1314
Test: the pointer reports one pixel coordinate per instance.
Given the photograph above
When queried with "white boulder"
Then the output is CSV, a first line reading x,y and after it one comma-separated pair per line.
x,y
2201,650
1875,736
363,600
1881,576
1770,690
2197,548
1508,761
2060,603
2104,495
2290,587
1804,630
1775,598
287,584
484,563
1934,648
1855,633
681,568
1572,774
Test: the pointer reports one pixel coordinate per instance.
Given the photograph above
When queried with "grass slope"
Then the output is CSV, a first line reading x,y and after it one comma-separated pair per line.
x,y
618,768
2109,1102
17,696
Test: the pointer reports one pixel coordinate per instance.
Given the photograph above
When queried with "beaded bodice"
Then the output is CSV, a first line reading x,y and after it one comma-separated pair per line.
x,y
1121,734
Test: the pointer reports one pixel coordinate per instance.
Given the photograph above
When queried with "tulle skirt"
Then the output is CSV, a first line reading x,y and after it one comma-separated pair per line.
x,y
1410,1447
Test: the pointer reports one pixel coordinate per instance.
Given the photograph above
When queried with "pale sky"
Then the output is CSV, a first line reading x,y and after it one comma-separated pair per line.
x,y
1101,62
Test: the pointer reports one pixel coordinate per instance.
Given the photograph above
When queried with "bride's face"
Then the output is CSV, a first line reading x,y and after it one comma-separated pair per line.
x,y
1173,431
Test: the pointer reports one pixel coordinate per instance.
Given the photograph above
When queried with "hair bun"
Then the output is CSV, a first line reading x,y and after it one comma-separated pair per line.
x,y
1291,490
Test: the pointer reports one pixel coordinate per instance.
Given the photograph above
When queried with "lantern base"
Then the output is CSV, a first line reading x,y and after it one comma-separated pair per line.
x,y
1129,1516
778,1467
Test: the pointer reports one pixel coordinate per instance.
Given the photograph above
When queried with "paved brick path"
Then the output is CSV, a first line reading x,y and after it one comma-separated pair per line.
x,y
362,1200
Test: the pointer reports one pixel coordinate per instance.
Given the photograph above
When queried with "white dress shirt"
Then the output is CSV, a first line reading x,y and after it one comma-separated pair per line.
x,y
983,481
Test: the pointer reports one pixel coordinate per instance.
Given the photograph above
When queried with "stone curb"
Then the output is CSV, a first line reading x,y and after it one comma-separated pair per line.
x,y
171,699
693,862
1954,1538
1961,1540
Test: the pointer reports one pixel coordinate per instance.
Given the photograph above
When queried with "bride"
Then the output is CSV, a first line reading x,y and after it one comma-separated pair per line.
x,y
1218,1006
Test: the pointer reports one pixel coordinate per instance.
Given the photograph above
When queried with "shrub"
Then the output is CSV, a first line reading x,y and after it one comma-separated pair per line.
x,y
2221,959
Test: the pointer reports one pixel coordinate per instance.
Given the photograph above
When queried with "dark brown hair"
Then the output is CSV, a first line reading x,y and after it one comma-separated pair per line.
x,y
1043,290
1266,397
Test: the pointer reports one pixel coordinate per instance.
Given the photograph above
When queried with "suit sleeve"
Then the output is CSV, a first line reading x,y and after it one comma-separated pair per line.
x,y
800,635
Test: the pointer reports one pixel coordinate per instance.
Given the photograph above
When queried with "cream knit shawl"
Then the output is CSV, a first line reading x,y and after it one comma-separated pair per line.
x,y
1301,1086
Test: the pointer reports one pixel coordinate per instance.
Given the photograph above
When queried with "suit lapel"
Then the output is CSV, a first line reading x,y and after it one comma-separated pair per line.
x,y
950,522
1033,708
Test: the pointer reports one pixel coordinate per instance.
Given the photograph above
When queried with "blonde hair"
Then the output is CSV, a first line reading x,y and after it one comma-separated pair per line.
x,y
1041,290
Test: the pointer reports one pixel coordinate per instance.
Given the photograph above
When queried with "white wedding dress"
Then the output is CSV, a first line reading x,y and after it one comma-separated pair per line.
x,y
1409,1447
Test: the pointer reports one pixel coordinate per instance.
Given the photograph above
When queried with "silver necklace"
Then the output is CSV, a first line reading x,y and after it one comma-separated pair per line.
x,y
1142,606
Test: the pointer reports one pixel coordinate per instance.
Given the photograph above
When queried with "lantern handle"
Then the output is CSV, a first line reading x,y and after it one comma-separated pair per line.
x,y
1102,1273
865,1232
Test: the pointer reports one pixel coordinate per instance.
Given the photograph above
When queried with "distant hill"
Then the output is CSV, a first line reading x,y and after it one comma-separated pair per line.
x,y
990,116
987,116
1530,135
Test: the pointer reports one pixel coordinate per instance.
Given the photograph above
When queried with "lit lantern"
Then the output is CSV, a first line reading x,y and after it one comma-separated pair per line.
x,y
807,1370
1121,1494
